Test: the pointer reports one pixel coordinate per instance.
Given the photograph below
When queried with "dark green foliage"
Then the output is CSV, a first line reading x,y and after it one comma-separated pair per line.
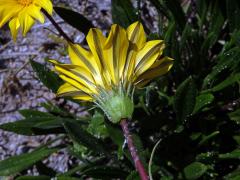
x,y
13,165
123,13
184,99
195,170
50,79
34,178
194,110
80,22
80,136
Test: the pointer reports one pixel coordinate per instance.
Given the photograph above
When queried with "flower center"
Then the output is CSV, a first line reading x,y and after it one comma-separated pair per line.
x,y
25,2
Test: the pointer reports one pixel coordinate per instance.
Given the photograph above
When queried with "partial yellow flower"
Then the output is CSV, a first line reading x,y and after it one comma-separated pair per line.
x,y
112,67
22,13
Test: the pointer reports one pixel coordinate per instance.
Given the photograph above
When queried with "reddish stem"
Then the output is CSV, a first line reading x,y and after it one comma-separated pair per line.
x,y
138,164
59,29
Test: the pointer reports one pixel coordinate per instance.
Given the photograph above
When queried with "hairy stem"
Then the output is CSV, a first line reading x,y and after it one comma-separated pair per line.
x,y
59,29
138,164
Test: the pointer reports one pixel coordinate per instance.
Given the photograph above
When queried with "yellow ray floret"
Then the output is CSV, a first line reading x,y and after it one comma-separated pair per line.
x,y
21,14
122,60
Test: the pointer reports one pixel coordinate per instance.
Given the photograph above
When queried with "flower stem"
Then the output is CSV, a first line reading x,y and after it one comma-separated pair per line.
x,y
59,29
138,164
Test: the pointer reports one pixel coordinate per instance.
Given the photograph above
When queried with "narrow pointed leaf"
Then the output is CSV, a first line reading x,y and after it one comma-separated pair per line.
x,y
123,13
19,163
79,135
48,77
195,170
74,19
184,100
202,100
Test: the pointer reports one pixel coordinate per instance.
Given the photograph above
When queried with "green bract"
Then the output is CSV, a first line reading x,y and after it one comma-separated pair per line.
x,y
117,106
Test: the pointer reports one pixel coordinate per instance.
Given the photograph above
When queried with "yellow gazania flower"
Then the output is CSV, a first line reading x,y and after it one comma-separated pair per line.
x,y
112,67
21,13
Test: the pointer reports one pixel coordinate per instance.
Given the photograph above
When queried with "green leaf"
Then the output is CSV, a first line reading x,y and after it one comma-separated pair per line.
x,y
80,136
34,178
171,29
184,100
202,100
117,137
233,14
36,125
227,82
74,19
231,155
133,176
216,25
105,172
123,13
226,60
68,178
53,109
235,116
177,12
235,175
202,7
208,137
97,126
73,171
29,113
48,77
195,170
19,163
186,35
115,134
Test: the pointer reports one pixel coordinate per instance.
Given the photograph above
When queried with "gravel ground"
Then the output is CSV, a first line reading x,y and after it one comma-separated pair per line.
x,y
19,87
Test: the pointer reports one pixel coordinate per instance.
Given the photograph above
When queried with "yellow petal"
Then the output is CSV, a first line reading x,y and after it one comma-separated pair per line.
x,y
75,69
69,90
45,4
137,38
129,65
26,21
136,34
83,97
96,41
115,52
14,25
84,58
76,84
35,12
8,11
76,73
159,68
81,57
147,56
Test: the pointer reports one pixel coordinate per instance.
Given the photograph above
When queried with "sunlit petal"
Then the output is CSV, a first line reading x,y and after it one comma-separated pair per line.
x,y
147,56
136,34
14,25
25,11
115,52
68,90
159,68
112,66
